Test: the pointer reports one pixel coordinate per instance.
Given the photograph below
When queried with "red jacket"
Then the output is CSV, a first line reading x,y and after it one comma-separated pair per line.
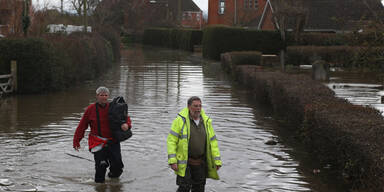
x,y
90,118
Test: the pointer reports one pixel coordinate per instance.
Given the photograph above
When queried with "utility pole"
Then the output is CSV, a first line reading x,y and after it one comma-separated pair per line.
x,y
85,15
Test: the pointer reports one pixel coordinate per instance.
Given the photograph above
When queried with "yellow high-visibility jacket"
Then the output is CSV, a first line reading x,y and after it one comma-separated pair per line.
x,y
178,139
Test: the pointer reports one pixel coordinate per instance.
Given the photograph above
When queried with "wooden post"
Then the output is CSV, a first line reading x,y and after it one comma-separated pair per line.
x,y
85,16
14,75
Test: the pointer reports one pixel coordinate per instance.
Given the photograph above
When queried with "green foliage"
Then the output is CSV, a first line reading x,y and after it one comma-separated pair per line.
x,y
340,56
172,38
113,39
375,38
57,61
322,39
220,39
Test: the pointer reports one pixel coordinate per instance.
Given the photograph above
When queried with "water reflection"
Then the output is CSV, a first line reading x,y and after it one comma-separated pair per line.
x,y
36,131
358,90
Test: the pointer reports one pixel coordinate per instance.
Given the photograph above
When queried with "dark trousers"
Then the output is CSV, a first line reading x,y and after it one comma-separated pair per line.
x,y
109,156
194,179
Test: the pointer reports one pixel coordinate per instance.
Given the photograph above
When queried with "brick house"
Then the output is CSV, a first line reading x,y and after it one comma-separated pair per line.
x,y
235,12
191,15
321,15
11,12
327,15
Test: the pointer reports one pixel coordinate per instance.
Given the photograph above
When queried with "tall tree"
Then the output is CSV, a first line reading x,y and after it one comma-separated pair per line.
x,y
78,5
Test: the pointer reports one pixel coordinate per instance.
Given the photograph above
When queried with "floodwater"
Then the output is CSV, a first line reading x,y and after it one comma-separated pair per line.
x,y
36,132
359,88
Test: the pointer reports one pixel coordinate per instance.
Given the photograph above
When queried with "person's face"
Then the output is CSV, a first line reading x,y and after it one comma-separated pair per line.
x,y
102,98
195,108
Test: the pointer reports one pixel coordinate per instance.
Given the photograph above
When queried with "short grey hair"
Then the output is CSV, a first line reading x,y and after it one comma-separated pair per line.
x,y
193,98
102,90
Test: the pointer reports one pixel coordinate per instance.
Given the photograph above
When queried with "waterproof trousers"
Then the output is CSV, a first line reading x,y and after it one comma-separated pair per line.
x,y
194,179
109,156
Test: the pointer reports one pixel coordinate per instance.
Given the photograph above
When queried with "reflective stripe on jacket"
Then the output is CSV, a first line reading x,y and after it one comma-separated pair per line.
x,y
177,144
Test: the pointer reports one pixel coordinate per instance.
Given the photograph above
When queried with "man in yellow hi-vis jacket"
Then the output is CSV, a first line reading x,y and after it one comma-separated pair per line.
x,y
193,152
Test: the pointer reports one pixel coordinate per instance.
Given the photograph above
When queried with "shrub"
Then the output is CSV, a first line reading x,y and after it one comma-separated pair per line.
x,y
323,39
56,61
340,56
305,55
220,39
338,39
172,38
346,136
232,59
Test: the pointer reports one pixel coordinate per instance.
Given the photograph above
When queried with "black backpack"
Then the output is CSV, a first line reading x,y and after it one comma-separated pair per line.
x,y
117,114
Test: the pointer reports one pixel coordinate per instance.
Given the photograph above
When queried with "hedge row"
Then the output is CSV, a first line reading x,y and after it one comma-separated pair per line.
x,y
220,39
57,61
173,38
340,56
232,59
345,136
335,39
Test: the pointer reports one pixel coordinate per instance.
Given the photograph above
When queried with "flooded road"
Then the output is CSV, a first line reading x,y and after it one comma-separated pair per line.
x,y
359,88
36,132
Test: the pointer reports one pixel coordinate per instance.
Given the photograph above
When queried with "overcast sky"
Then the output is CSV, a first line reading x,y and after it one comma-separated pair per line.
x,y
203,4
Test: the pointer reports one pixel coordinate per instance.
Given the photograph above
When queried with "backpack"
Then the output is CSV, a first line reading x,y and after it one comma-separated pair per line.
x,y
117,114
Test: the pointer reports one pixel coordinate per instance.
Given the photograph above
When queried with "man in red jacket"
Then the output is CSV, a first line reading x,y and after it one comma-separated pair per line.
x,y
107,152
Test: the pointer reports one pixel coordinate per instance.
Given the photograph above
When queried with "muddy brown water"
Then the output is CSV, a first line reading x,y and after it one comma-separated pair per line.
x,y
36,132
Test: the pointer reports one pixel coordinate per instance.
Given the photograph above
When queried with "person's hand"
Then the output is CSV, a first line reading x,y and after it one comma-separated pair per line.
x,y
174,167
218,167
124,127
76,147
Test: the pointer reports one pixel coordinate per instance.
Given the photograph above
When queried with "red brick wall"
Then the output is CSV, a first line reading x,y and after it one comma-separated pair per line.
x,y
267,21
192,19
11,16
228,18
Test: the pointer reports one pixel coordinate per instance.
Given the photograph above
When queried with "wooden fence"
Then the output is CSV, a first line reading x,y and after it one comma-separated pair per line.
x,y
8,82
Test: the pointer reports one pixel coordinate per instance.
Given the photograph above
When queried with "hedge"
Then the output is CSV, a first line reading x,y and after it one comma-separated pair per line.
x,y
184,39
346,136
219,39
337,39
339,56
232,59
56,61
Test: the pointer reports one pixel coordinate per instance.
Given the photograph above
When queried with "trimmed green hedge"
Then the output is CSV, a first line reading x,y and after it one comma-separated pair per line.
x,y
173,38
220,39
345,136
57,61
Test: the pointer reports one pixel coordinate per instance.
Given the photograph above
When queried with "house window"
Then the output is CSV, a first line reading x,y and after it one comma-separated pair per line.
x,y
256,3
198,17
221,6
250,4
187,16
